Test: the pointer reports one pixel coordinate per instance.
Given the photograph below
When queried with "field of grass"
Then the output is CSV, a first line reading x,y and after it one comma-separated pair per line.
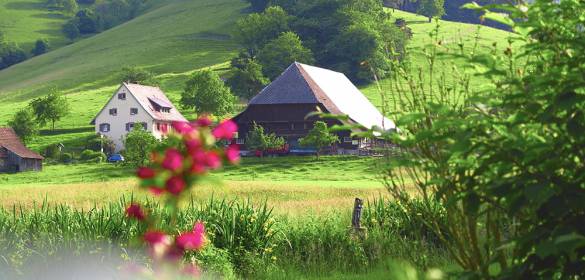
x,y
290,184
23,22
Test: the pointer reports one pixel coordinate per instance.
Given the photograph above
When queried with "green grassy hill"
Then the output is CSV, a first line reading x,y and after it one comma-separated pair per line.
x,y
172,39
25,21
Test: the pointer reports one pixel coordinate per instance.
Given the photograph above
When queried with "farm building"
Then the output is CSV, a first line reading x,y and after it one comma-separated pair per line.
x,y
282,106
14,156
134,104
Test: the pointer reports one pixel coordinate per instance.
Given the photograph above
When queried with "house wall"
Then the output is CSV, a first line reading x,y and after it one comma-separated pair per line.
x,y
14,163
118,122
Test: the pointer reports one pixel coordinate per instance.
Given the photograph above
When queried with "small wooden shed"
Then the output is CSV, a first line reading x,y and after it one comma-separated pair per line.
x,y
14,156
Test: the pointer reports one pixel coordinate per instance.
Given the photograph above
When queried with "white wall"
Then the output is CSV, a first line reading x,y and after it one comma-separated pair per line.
x,y
118,123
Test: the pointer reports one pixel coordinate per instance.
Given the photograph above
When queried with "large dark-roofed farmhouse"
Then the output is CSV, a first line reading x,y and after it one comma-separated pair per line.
x,y
282,106
14,156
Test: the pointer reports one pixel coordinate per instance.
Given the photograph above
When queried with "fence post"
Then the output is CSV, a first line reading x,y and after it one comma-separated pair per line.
x,y
356,229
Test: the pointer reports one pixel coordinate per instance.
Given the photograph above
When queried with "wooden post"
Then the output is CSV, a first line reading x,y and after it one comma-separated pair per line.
x,y
356,229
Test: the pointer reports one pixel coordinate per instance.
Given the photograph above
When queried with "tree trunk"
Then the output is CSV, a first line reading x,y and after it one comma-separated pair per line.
x,y
430,19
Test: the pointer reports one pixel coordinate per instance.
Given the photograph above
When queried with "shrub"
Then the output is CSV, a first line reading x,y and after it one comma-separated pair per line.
x,y
52,151
66,157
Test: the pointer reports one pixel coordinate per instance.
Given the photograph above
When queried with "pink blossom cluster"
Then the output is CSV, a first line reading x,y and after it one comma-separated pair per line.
x,y
173,172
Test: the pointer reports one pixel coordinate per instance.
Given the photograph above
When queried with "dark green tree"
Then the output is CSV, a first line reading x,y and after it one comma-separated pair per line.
x,y
138,144
255,30
138,75
87,21
258,5
248,81
10,54
279,53
50,108
431,8
207,93
24,124
258,140
319,137
70,29
41,47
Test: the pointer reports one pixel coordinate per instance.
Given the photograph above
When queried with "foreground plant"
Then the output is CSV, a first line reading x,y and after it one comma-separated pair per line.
x,y
175,168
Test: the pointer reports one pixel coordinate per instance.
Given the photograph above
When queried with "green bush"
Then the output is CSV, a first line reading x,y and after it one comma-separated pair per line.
x,y
52,151
66,157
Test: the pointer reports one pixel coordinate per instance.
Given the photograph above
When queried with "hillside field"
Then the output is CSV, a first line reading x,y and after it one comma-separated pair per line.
x,y
172,39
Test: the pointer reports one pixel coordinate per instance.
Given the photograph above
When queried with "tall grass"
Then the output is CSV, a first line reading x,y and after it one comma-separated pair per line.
x,y
248,238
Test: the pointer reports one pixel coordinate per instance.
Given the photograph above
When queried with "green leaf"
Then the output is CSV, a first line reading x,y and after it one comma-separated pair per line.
x,y
499,17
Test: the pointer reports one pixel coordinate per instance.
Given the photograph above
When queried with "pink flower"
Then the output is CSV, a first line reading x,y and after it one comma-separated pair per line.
x,y
155,237
225,130
198,156
182,127
232,153
145,173
175,185
134,211
192,145
212,160
156,190
192,240
197,168
173,160
203,121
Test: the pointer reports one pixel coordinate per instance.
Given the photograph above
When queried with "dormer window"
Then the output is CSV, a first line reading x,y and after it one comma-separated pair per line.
x,y
122,96
113,111
133,111
160,105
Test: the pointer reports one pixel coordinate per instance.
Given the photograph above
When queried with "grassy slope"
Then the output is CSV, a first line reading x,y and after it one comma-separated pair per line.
x,y
450,34
26,21
173,39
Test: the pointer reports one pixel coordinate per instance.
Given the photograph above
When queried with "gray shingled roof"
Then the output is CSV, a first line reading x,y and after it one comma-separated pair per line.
x,y
301,83
289,87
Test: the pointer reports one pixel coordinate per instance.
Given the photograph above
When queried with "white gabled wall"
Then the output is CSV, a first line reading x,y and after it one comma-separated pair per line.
x,y
118,123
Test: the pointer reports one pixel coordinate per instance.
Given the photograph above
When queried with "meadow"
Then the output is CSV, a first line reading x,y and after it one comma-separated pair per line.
x,y
292,185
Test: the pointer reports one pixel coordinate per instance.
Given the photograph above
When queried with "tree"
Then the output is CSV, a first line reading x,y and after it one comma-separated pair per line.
x,y
138,145
207,93
70,29
258,140
138,76
259,5
394,4
11,54
279,53
431,8
87,21
255,30
41,47
50,108
319,137
69,7
24,124
248,81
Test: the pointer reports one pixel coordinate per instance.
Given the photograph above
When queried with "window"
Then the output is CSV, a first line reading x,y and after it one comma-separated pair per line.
x,y
133,111
129,126
113,111
122,95
346,139
240,141
145,126
158,126
165,110
292,126
104,127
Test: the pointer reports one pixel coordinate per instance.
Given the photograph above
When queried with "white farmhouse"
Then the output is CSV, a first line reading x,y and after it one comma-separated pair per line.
x,y
134,104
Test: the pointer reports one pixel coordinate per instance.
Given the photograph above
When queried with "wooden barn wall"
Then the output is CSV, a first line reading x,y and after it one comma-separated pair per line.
x,y
286,120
